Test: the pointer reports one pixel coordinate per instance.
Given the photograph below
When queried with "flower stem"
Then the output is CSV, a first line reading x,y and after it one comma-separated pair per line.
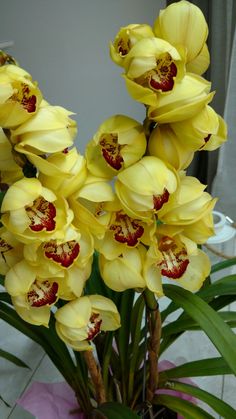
x,y
96,377
154,326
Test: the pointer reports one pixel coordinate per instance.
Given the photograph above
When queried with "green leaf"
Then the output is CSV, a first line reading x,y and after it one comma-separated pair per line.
x,y
218,332
2,278
4,296
184,407
136,323
224,286
96,285
12,358
216,404
181,325
113,410
200,368
223,265
4,401
123,336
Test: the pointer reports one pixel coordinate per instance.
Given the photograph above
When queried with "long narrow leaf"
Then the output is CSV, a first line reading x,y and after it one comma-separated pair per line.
x,y
184,407
200,368
12,358
219,406
112,410
4,401
223,265
189,324
218,332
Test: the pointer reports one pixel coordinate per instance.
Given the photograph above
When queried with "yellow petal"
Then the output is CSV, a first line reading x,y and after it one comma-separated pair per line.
x,y
179,23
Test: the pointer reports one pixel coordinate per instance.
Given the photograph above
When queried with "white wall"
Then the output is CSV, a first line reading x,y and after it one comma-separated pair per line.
x,y
64,45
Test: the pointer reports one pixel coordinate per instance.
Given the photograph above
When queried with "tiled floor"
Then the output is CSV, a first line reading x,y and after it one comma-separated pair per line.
x,y
14,380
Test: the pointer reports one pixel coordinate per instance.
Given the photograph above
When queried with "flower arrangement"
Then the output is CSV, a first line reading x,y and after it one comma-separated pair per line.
x,y
87,242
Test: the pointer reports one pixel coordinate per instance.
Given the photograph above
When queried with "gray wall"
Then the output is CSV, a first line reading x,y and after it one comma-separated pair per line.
x,y
64,45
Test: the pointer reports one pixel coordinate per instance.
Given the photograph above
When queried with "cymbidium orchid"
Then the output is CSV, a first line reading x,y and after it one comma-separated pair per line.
x,y
81,320
188,204
204,131
178,24
144,188
164,144
119,142
50,130
33,212
188,98
154,68
74,250
124,232
126,39
176,258
11,250
33,295
91,205
64,172
19,98
86,238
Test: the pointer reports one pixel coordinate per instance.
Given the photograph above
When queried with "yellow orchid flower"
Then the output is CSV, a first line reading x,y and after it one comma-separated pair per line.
x,y
33,212
200,63
19,96
187,99
144,188
32,295
11,250
204,131
126,39
125,271
10,172
76,249
188,204
119,142
63,172
128,271
49,131
154,68
124,232
201,230
179,23
81,320
90,205
164,144
177,258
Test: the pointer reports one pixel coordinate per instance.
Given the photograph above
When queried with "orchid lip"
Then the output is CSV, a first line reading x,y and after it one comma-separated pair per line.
x,y
111,150
126,230
41,215
175,258
42,293
63,254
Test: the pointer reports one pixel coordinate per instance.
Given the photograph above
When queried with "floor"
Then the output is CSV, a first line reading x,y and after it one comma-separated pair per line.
x,y
15,380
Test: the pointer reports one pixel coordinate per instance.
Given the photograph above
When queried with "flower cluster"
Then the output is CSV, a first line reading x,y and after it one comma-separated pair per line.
x,y
129,198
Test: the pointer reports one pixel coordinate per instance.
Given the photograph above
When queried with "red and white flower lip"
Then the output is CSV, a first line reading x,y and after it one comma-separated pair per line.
x,y
64,254
160,200
111,150
25,98
42,215
175,258
126,230
94,326
42,293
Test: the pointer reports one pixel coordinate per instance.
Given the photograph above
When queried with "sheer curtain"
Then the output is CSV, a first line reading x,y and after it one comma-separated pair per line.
x,y
221,18
224,182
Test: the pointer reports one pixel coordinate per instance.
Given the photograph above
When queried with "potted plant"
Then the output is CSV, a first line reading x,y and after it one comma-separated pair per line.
x,y
87,241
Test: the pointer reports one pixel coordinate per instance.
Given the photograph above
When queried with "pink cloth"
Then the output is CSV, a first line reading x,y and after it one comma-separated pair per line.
x,y
166,365
50,401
